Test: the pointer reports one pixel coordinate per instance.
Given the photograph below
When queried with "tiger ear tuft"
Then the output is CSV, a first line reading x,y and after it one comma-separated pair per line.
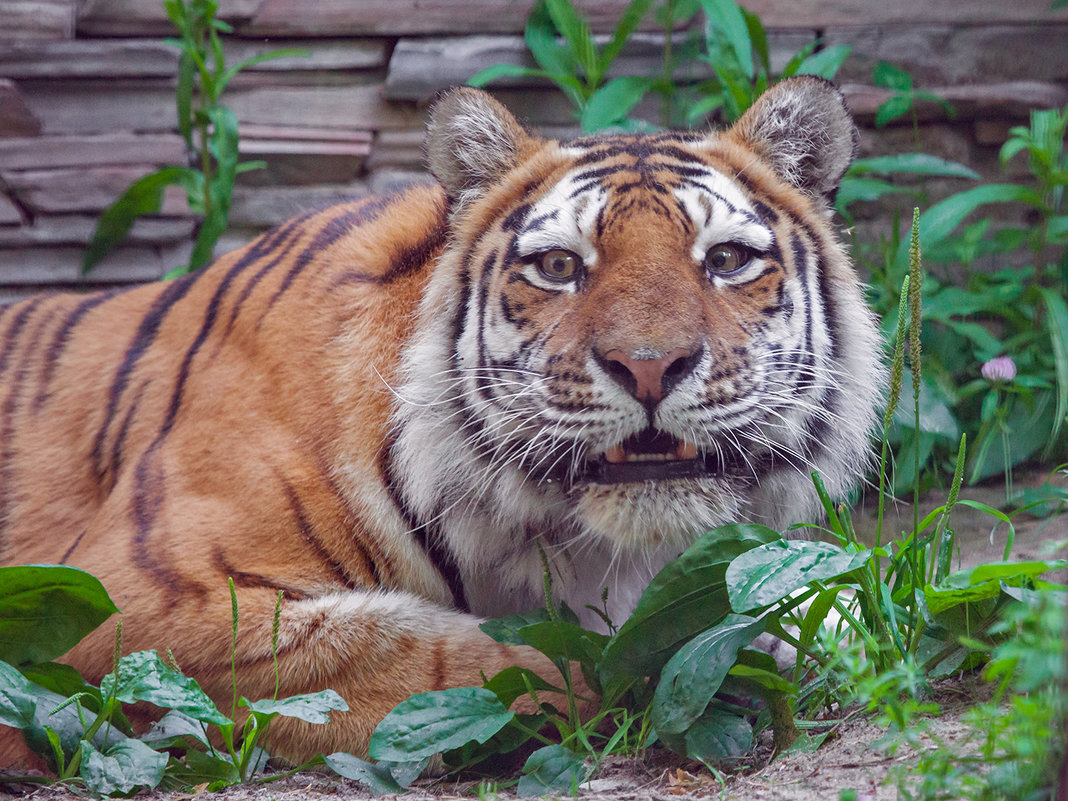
x,y
802,128
471,141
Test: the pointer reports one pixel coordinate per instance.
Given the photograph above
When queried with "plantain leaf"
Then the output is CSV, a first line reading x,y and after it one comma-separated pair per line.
x,y
45,610
432,722
121,767
826,62
726,17
771,572
1057,325
686,597
143,196
693,675
610,104
552,769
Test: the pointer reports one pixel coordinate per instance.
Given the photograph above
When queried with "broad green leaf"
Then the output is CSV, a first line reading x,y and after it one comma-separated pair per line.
x,y
552,769
183,96
214,770
1029,428
143,676
540,36
726,17
1057,325
173,728
577,36
310,707
797,59
767,574
506,629
826,62
224,144
891,77
497,71
984,581
375,777
612,102
693,675
58,678
143,196
628,23
558,639
51,711
686,597
45,610
854,189
718,734
769,680
939,221
511,683
890,109
1057,229
935,416
270,55
122,767
432,722
17,701
912,164
507,740
759,38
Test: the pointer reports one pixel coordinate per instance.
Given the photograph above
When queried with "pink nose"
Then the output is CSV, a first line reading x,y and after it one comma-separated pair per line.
x,y
648,380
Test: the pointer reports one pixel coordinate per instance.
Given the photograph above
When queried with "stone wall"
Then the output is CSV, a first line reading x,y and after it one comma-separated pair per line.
x,y
87,103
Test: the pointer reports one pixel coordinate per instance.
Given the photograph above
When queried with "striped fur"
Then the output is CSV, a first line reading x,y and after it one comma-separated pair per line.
x,y
386,411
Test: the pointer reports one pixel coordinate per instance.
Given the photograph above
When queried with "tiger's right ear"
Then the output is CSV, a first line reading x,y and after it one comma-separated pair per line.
x,y
471,141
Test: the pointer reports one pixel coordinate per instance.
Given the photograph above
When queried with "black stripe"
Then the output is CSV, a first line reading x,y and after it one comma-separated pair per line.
x,y
428,536
59,342
119,445
11,335
210,315
11,401
335,229
139,345
404,262
307,533
146,503
255,580
280,235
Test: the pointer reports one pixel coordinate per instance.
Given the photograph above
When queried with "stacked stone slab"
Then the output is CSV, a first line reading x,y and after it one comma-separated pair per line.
x,y
87,102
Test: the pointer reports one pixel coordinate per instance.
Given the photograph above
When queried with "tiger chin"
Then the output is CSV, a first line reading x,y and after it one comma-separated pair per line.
x,y
392,410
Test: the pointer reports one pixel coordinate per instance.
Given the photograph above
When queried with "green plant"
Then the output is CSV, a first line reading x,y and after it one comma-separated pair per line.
x,y
904,97
80,729
210,131
736,47
578,66
1011,412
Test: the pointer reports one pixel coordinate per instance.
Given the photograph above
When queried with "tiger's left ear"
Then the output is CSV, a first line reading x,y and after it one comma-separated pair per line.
x,y
802,128
471,141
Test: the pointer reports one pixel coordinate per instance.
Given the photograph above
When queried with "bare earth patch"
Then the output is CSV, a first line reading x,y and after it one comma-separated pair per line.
x,y
846,760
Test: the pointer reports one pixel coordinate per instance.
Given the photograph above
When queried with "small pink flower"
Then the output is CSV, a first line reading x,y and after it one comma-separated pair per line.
x,y
1000,369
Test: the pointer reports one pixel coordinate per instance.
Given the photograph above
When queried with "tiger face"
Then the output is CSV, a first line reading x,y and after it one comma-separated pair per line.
x,y
645,335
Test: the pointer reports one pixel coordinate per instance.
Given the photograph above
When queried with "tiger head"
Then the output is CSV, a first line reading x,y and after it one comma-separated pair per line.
x,y
635,337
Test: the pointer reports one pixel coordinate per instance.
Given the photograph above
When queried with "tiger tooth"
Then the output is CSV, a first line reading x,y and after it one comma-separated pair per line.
x,y
615,455
686,450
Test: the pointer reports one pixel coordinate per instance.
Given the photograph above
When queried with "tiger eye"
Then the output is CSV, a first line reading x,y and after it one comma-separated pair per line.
x,y
727,258
559,265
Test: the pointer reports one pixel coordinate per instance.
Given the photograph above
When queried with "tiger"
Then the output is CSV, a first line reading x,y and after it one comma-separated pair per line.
x,y
398,412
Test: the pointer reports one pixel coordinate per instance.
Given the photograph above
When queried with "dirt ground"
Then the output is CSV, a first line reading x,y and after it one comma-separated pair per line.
x,y
848,759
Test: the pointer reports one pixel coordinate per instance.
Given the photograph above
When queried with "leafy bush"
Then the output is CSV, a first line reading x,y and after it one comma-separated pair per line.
x,y
210,132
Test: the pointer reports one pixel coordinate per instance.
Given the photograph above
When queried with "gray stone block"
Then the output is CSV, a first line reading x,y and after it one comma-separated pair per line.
x,y
84,151
70,229
38,19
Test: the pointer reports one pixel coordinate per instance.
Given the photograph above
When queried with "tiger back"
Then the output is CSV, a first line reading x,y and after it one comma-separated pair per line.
x,y
390,410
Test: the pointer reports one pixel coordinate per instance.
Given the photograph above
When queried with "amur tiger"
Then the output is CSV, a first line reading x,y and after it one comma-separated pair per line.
x,y
390,408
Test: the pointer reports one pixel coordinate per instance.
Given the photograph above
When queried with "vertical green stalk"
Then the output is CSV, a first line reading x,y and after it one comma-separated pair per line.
x,y
916,566
233,647
667,107
897,369
274,640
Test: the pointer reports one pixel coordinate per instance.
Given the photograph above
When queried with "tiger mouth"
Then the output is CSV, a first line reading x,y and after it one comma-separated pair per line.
x,y
652,456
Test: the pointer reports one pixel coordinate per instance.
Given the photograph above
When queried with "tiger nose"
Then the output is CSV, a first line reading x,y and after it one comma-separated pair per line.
x,y
648,379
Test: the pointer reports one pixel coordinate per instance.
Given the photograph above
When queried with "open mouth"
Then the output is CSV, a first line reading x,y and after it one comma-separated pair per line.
x,y
649,456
